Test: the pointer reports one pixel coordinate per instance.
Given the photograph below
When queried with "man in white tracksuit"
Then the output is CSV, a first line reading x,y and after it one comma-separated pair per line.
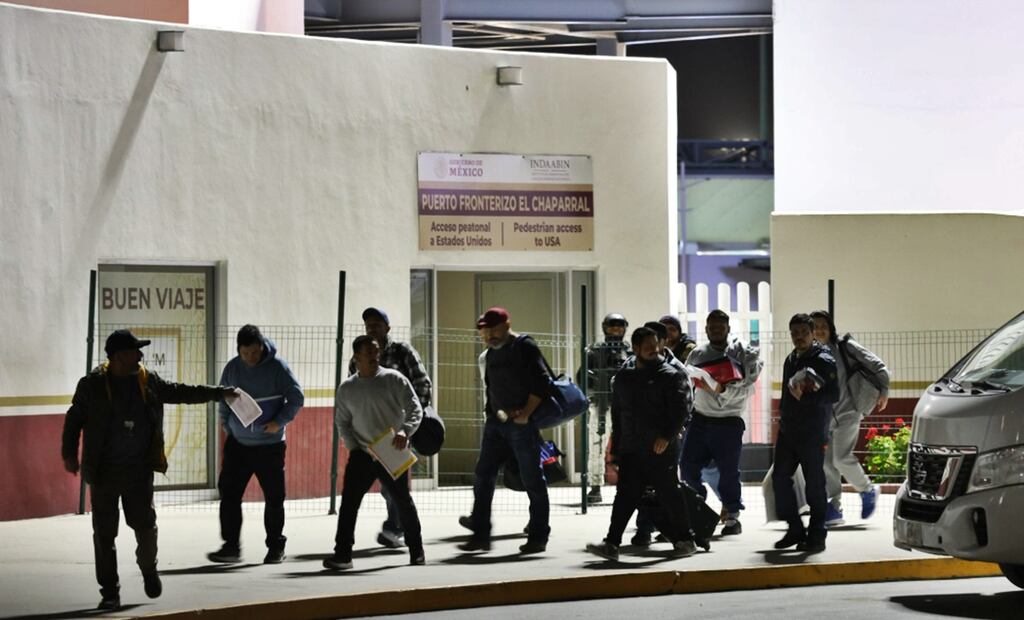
x,y
863,385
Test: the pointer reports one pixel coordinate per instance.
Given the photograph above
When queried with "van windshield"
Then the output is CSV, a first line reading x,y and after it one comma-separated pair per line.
x,y
998,363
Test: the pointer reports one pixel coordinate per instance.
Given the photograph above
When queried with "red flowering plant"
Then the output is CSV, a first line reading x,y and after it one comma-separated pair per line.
x,y
885,455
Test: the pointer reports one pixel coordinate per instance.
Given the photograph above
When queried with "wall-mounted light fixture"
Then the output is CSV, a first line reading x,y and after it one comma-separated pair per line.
x,y
170,41
510,76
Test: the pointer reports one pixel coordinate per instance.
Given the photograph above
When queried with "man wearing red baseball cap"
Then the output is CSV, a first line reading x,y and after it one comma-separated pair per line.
x,y
516,381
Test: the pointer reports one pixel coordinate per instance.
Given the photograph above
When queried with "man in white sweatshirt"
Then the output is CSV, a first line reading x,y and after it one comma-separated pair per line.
x,y
716,431
365,406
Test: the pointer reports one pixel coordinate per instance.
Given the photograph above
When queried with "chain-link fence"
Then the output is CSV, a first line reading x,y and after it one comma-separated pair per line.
x,y
443,484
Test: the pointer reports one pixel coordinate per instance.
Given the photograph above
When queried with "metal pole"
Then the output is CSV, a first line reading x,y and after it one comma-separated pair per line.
x,y
585,435
338,357
832,300
89,342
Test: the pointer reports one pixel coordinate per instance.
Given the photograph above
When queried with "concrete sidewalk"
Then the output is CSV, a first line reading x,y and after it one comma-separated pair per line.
x,y
46,565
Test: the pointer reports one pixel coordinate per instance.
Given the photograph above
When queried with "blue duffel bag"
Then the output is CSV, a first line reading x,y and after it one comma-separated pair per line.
x,y
565,401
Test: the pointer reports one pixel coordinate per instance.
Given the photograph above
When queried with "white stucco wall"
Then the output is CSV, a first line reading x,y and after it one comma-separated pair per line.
x,y
898,136
287,159
909,106
902,272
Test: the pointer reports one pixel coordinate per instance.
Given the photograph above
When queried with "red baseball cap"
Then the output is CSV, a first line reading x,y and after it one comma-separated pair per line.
x,y
492,318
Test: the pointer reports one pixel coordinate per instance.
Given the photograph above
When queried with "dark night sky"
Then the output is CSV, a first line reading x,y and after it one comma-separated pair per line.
x,y
718,85
717,81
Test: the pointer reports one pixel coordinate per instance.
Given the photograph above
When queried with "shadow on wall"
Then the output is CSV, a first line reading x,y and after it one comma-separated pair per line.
x,y
110,180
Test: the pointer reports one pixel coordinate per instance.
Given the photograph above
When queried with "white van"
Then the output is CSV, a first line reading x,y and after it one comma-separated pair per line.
x,y
964,493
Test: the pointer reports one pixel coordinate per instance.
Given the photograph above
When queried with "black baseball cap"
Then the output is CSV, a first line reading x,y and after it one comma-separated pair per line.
x,y
123,340
376,313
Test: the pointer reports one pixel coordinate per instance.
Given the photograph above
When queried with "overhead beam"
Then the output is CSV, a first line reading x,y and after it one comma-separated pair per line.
x,y
434,27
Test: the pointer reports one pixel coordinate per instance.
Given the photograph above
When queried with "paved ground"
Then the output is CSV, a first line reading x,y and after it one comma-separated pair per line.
x,y
46,566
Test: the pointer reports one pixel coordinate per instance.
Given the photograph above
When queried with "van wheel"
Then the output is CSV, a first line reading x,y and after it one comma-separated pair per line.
x,y
1015,573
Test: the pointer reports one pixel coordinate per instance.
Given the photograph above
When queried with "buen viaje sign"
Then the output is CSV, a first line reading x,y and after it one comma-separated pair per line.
x,y
505,202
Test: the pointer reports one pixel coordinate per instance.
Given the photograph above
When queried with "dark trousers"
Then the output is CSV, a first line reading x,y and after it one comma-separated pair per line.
x,y
393,522
719,440
638,471
500,441
360,472
808,452
134,487
240,463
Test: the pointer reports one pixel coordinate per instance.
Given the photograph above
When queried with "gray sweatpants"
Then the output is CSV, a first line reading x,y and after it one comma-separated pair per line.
x,y
596,445
840,461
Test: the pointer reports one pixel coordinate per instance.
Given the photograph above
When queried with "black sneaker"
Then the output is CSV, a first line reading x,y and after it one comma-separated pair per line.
x,y
152,585
683,548
476,544
604,549
640,539
814,543
417,558
338,562
732,527
225,555
792,537
466,522
110,603
594,496
533,546
274,556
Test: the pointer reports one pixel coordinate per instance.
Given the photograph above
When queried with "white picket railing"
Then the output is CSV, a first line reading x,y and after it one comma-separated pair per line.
x,y
747,324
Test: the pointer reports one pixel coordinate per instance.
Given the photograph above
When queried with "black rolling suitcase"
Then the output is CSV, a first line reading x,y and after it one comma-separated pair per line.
x,y
703,520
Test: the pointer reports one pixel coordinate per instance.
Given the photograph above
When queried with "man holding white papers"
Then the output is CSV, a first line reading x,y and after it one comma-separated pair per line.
x,y
716,430
259,447
810,388
374,402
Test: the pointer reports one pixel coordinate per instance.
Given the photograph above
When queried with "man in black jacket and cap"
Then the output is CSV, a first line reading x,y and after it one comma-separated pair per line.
x,y
117,409
649,401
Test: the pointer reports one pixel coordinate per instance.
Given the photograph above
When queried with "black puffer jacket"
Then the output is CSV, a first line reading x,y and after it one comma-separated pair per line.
x,y
648,402
91,410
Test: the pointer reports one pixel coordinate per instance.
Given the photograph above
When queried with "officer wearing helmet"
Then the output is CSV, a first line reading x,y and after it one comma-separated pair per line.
x,y
603,360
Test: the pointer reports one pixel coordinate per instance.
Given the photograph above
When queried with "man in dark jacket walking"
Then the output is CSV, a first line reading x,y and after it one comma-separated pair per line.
x,y
515,382
649,402
809,389
117,409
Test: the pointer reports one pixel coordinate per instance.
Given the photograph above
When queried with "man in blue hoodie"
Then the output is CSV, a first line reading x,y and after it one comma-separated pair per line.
x,y
258,448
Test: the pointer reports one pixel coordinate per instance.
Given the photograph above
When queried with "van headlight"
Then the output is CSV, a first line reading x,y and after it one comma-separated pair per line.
x,y
999,468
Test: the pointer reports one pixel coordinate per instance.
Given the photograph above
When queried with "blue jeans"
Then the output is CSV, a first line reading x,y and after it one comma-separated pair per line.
x,y
500,441
719,440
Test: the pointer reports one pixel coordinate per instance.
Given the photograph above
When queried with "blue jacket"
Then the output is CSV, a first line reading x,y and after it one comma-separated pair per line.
x,y
273,385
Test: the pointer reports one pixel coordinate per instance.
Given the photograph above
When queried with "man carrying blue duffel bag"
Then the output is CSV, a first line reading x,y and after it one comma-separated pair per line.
x,y
517,382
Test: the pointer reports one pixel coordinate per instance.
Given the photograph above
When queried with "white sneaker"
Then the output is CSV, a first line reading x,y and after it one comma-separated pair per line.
x,y
390,540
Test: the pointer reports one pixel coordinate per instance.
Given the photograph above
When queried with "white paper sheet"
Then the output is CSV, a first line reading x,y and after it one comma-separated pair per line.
x,y
246,409
394,460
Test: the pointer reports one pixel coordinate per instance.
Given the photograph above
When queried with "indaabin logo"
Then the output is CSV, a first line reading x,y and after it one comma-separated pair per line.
x,y
440,166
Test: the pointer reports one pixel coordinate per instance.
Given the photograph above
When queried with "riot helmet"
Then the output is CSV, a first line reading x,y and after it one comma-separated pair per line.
x,y
614,320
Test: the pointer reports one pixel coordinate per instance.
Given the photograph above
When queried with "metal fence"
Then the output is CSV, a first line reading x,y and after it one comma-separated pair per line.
x,y
443,484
